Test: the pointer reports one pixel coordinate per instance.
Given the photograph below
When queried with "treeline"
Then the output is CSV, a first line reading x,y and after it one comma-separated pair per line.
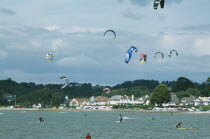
x,y
52,94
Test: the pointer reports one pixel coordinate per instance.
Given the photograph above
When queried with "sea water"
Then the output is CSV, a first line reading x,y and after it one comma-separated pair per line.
x,y
102,125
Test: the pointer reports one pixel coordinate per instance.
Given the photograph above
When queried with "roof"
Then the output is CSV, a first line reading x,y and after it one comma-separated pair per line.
x,y
116,97
173,97
188,99
80,99
203,99
101,98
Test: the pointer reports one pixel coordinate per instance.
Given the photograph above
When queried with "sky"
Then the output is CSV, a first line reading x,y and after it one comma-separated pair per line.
x,y
73,30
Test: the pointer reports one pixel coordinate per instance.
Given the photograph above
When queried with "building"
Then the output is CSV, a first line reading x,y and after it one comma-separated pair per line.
x,y
173,102
115,100
98,100
79,102
202,101
187,101
143,100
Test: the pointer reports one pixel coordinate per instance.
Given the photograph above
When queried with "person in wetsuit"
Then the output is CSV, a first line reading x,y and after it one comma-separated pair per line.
x,y
178,125
121,118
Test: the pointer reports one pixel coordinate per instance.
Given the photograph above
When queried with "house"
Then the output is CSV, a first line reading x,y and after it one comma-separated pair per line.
x,y
92,100
186,101
99,100
145,100
125,100
78,102
173,101
202,101
115,100
66,100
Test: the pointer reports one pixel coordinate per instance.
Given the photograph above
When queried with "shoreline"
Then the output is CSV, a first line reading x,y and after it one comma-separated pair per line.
x,y
114,110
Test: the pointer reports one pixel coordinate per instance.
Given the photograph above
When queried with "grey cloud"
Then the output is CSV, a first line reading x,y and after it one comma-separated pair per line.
x,y
7,11
131,15
203,27
85,55
199,29
139,2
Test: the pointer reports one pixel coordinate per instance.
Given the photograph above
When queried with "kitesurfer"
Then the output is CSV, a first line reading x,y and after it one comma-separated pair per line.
x,y
88,136
121,118
178,125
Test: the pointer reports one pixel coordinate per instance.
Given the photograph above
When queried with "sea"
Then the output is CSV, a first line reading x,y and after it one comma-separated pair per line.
x,y
102,125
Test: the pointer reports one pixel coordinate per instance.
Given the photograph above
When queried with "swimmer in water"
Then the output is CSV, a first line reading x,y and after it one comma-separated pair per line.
x,y
41,119
88,136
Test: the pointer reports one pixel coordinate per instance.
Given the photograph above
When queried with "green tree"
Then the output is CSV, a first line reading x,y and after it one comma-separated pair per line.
x,y
194,91
182,94
182,84
160,95
206,89
208,80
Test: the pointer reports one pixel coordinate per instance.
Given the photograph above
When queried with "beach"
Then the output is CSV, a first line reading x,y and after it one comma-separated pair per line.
x,y
98,110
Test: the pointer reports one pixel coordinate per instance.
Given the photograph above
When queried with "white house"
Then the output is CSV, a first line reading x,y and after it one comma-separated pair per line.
x,y
78,102
173,101
202,101
145,100
124,100
115,100
99,100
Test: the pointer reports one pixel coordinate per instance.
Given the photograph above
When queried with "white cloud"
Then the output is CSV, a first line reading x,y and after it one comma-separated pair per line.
x,y
79,29
22,76
202,46
52,28
77,62
57,44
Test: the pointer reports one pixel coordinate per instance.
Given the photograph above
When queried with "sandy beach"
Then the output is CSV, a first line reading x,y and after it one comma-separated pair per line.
x,y
97,110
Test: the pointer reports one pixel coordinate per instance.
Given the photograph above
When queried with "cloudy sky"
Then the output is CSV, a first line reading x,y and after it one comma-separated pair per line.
x,y
73,31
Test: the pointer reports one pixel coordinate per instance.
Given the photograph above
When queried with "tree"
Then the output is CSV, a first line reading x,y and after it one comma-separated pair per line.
x,y
206,90
182,94
208,80
194,91
137,91
182,84
160,95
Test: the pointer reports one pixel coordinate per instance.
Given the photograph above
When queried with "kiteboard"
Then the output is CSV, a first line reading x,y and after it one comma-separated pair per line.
x,y
188,128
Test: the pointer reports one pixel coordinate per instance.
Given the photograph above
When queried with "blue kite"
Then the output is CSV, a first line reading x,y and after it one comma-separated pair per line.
x,y
129,53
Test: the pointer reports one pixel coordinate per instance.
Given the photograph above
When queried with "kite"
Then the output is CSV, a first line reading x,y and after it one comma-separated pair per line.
x,y
110,31
143,58
158,53
67,81
171,52
107,90
129,53
49,55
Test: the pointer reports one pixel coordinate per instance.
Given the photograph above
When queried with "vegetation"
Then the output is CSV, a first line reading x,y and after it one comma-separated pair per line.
x,y
182,94
182,84
205,108
160,95
50,95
